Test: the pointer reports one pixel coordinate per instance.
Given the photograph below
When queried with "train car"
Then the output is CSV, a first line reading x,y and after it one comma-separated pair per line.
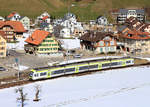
x,y
71,68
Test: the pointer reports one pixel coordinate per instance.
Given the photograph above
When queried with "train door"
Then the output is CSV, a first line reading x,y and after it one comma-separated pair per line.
x,y
76,69
48,74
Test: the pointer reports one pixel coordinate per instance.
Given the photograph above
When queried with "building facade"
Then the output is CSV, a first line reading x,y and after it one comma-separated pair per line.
x,y
124,14
2,46
13,30
41,42
26,22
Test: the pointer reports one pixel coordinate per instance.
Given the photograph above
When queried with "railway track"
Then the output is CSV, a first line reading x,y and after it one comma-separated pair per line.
x,y
12,82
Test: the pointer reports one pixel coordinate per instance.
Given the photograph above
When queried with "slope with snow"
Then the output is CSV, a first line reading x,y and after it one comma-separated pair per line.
x,y
128,87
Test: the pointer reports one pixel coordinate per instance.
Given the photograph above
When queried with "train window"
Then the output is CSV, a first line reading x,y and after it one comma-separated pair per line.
x,y
93,66
36,75
83,67
114,63
43,73
69,69
106,64
128,61
58,71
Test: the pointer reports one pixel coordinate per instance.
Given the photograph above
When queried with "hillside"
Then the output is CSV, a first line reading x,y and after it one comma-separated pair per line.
x,y
85,9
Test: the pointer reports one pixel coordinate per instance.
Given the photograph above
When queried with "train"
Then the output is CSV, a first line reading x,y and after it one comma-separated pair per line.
x,y
78,67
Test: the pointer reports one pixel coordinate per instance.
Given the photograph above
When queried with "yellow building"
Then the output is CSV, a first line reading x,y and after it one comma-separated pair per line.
x,y
41,42
2,46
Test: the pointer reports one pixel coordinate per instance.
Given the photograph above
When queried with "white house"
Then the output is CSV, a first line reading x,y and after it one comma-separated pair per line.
x,y
26,22
65,33
14,16
2,19
43,17
101,20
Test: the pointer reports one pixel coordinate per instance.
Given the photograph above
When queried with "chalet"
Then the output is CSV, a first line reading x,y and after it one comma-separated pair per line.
x,y
41,42
145,28
99,42
26,22
65,33
14,16
2,18
13,30
136,41
101,20
2,45
123,14
44,17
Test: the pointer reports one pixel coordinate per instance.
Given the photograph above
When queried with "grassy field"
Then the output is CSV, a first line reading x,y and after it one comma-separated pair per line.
x,y
85,9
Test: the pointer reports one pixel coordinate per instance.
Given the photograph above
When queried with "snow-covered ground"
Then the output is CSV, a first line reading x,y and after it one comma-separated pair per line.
x,y
70,43
127,87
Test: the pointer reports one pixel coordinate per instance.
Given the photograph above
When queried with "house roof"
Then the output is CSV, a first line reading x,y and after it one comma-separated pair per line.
x,y
37,37
16,25
138,11
11,14
45,17
94,36
136,35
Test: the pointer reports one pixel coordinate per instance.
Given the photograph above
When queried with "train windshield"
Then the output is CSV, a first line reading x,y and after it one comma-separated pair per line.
x,y
31,74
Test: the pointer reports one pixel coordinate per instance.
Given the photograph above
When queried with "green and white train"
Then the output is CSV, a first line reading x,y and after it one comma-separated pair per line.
x,y
77,67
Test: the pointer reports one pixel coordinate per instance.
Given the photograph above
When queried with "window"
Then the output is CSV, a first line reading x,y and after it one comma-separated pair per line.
x,y
112,42
58,71
93,66
101,43
84,68
69,69
106,43
106,64
128,62
43,74
114,63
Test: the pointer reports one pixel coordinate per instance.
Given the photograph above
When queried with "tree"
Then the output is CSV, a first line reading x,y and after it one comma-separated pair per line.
x,y
38,90
22,97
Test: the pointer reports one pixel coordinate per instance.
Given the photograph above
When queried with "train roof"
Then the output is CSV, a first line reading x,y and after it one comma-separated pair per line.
x,y
78,62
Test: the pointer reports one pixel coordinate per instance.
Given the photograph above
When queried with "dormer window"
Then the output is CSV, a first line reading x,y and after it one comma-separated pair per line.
x,y
130,35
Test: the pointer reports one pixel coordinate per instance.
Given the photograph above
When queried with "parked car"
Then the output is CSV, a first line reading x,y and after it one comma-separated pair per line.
x,y
2,69
77,56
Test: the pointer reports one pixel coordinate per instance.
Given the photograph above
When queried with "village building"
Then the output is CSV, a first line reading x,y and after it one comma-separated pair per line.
x,y
2,18
124,14
44,17
65,33
136,42
2,45
14,16
41,42
26,22
13,30
99,42
101,20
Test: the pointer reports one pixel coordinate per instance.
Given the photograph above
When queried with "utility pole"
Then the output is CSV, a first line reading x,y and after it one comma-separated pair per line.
x,y
17,64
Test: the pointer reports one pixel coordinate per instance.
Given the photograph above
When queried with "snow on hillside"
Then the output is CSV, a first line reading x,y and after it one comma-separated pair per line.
x,y
127,87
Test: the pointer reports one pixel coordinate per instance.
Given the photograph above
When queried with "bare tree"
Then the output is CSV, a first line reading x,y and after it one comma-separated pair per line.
x,y
38,90
22,97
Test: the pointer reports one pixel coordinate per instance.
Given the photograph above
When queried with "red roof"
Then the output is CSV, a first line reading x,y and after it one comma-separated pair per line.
x,y
16,25
137,35
37,37
44,18
11,14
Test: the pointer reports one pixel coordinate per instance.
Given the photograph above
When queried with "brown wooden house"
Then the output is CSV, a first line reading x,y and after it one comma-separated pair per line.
x,y
13,30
